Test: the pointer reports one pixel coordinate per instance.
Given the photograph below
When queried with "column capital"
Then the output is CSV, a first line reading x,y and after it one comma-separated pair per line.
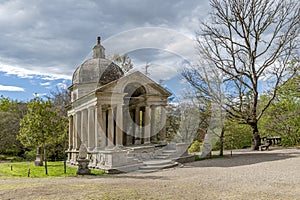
x,y
92,107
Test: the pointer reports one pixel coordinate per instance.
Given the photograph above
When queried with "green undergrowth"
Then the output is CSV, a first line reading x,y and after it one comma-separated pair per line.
x,y
8,158
55,169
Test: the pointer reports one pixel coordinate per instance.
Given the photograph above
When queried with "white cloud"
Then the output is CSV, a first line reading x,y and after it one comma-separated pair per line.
x,y
23,72
166,39
39,94
45,84
11,88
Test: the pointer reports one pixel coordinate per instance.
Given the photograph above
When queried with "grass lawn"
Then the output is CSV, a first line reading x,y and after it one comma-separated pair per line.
x,y
55,169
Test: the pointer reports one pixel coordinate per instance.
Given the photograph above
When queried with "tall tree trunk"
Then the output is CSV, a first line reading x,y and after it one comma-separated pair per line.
x,y
222,141
256,137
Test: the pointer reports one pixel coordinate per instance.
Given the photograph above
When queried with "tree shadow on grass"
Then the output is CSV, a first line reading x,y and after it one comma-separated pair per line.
x,y
243,158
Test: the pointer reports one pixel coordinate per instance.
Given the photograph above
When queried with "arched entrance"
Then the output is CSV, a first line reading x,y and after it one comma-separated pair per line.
x,y
134,114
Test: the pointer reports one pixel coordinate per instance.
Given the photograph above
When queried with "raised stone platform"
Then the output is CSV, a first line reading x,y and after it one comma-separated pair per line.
x,y
142,158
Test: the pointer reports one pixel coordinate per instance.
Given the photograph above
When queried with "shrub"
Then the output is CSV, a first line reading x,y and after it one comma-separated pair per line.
x,y
195,147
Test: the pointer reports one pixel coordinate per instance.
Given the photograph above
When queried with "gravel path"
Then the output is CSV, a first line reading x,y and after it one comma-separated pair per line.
x,y
247,175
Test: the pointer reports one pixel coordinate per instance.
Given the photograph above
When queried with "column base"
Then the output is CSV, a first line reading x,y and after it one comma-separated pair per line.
x,y
137,141
96,149
90,149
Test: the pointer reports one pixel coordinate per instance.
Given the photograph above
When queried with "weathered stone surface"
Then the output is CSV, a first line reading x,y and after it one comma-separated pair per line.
x,y
83,168
83,162
82,152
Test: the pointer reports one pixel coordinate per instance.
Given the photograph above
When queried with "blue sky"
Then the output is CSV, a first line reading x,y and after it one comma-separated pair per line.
x,y
43,43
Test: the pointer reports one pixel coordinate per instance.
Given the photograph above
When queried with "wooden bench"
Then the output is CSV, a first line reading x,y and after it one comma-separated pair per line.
x,y
266,142
264,146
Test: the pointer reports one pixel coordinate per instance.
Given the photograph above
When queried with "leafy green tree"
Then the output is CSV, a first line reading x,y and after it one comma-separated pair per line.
x,y
237,136
9,124
6,104
60,98
10,114
41,126
283,117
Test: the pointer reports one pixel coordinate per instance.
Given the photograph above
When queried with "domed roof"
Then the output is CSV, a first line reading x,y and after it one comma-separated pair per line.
x,y
98,69
95,70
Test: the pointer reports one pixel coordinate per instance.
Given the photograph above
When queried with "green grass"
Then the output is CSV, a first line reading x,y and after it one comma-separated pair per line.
x,y
55,169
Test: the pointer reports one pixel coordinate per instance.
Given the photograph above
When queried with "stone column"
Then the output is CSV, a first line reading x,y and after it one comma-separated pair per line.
x,y
128,125
147,125
163,124
70,132
110,127
137,126
99,132
78,131
153,125
91,128
74,132
103,122
119,125
84,126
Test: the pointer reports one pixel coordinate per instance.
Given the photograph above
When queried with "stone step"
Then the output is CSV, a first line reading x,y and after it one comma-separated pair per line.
x,y
169,151
162,157
151,167
155,165
157,162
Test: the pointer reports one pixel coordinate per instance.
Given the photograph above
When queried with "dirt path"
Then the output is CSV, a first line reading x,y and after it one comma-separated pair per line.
x,y
271,174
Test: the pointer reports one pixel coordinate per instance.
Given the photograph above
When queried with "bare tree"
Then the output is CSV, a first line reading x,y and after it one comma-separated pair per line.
x,y
251,42
124,61
209,92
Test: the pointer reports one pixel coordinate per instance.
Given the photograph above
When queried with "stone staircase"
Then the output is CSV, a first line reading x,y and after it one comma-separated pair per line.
x,y
162,160
165,154
153,158
156,164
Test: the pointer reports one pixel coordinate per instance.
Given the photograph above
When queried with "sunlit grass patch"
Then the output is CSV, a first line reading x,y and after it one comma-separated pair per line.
x,y
55,169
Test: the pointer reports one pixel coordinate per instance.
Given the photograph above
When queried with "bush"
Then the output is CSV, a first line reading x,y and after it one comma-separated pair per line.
x,y
195,147
237,136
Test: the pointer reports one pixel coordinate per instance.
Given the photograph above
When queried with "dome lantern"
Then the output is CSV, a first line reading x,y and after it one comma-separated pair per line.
x,y
98,50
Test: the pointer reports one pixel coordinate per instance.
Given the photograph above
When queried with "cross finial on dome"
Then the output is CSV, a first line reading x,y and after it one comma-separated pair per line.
x,y
98,39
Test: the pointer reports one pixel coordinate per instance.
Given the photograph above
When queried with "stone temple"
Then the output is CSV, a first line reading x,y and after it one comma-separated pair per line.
x,y
119,118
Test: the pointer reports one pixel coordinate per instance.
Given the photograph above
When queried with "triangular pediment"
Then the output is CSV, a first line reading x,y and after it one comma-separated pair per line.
x,y
118,86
